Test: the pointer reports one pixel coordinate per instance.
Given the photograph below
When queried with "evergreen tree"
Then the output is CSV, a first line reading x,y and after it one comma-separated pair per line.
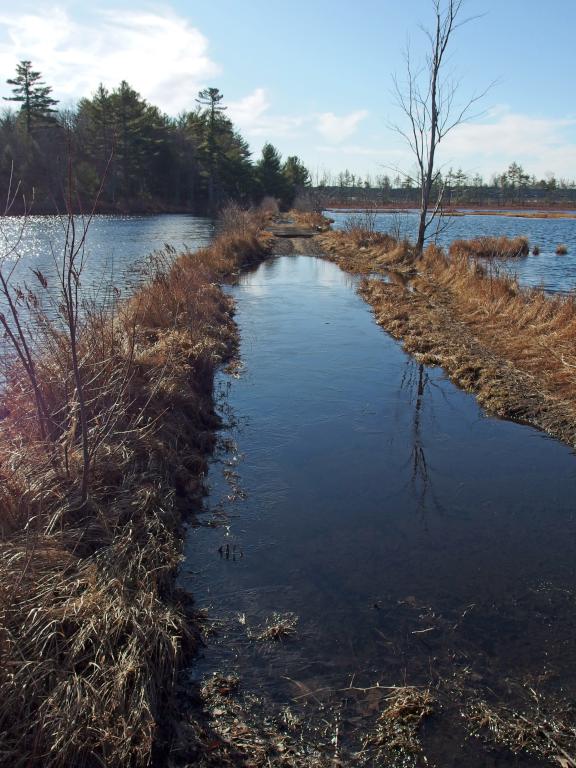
x,y
210,98
295,172
33,95
296,176
269,170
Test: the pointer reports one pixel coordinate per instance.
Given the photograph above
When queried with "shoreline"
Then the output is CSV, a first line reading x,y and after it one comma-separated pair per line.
x,y
507,345
520,211
92,678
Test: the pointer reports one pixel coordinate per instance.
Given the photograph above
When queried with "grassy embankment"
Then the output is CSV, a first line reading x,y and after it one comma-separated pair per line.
x,y
92,630
513,347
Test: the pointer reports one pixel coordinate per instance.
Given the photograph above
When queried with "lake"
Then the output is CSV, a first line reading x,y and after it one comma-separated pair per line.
x,y
115,244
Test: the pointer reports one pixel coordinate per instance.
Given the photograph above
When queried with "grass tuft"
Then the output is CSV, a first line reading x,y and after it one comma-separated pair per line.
x,y
491,247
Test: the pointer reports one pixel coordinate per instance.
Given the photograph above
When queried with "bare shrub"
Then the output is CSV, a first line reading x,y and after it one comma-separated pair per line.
x,y
234,218
269,206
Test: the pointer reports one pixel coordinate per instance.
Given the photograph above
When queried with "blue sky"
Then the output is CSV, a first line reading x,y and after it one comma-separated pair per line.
x,y
315,77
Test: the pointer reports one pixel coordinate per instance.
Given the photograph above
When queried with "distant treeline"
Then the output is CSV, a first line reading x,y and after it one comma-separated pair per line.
x,y
513,187
138,157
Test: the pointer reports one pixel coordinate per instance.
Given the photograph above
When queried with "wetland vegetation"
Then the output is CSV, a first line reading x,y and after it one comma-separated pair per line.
x,y
295,490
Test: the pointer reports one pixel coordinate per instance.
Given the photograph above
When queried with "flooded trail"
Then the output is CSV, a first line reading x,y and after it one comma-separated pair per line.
x,y
418,541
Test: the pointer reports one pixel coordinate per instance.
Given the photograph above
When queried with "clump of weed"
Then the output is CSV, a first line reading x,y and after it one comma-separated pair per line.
x,y
491,247
279,626
561,249
546,735
398,725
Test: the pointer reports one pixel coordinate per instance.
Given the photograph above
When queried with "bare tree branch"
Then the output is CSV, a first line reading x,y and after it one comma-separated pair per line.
x,y
428,101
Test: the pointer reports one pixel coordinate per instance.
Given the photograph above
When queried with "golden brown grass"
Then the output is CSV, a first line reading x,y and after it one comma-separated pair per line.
x,y
513,347
491,247
365,252
91,628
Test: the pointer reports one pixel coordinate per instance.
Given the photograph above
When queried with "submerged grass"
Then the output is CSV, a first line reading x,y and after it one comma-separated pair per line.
x,y
398,725
92,629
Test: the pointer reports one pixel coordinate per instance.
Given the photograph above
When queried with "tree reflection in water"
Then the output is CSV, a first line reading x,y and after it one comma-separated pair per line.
x,y
416,382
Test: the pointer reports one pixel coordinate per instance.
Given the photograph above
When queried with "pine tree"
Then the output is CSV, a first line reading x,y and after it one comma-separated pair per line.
x,y
33,95
210,98
295,172
269,169
297,177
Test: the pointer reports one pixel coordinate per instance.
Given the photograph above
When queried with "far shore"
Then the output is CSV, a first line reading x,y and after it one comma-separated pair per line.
x,y
523,212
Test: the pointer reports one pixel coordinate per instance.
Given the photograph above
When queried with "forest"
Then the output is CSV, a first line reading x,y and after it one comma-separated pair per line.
x,y
130,155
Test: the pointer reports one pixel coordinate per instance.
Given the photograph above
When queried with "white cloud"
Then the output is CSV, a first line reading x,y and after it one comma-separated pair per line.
x,y
383,151
336,129
251,115
160,54
540,144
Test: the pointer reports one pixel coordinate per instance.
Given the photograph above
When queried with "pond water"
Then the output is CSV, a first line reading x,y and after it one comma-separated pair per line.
x,y
417,540
115,244
552,272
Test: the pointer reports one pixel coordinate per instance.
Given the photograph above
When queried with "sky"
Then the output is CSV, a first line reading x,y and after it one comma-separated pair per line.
x,y
314,77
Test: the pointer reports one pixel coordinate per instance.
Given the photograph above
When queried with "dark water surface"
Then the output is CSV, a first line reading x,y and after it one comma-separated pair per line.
x,y
415,538
547,270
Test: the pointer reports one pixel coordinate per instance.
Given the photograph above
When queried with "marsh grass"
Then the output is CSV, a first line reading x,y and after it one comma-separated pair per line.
x,y
91,628
491,247
511,346
360,251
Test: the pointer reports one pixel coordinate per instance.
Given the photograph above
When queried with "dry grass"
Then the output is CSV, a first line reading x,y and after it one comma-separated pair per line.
x,y
491,247
513,347
311,219
545,735
364,252
279,626
398,725
91,628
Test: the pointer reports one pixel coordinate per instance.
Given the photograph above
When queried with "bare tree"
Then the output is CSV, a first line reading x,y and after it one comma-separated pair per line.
x,y
428,99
